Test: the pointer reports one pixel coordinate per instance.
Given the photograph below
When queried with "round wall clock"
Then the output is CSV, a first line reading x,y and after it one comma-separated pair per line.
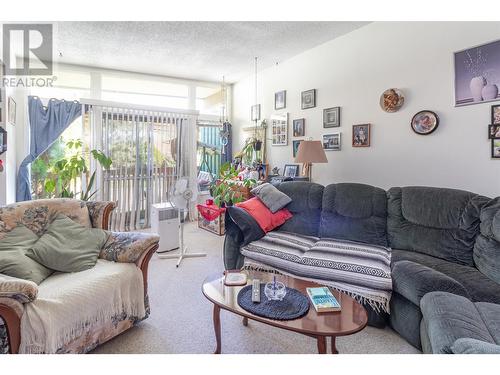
x,y
392,100
424,122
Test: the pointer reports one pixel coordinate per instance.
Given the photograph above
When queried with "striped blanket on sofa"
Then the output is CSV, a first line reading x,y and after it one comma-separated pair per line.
x,y
357,269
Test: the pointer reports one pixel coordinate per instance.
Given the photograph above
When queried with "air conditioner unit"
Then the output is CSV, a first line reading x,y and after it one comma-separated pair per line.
x,y
165,222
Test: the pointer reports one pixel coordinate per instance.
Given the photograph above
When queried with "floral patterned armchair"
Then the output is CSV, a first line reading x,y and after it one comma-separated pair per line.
x,y
15,294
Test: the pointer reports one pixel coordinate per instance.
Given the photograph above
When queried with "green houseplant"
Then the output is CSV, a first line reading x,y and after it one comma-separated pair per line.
x,y
225,189
62,179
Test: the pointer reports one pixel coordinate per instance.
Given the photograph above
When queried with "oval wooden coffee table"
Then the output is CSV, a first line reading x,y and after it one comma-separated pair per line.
x,y
351,319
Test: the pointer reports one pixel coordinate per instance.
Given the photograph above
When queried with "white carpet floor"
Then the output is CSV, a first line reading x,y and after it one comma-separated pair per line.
x,y
181,317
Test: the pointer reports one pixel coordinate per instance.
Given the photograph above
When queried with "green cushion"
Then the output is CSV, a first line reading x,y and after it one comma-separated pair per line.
x,y
68,246
13,259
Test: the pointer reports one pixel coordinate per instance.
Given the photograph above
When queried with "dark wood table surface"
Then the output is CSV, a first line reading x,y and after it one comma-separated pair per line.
x,y
351,319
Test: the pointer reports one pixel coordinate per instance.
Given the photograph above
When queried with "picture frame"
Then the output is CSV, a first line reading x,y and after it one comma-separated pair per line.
x,y
295,147
280,100
299,127
424,122
495,114
475,81
291,170
494,131
331,117
495,148
279,129
12,111
255,112
332,142
361,135
308,99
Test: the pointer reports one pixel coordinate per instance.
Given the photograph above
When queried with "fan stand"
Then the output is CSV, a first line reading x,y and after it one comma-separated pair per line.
x,y
182,249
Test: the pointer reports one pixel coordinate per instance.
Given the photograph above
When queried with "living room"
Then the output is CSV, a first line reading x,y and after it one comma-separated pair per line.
x,y
200,185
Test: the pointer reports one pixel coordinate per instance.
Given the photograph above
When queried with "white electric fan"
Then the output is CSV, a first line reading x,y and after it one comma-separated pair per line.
x,y
182,195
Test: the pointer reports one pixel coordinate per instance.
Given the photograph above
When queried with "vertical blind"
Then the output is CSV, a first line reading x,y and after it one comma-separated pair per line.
x,y
150,148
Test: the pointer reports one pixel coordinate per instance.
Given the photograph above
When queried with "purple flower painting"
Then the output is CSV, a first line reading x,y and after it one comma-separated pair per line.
x,y
477,74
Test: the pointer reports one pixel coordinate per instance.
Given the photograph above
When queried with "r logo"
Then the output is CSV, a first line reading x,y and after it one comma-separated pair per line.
x,y
27,49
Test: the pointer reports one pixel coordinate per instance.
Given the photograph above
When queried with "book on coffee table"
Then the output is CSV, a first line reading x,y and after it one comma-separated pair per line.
x,y
323,300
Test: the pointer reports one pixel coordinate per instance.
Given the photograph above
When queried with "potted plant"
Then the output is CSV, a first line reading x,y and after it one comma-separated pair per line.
x,y
226,188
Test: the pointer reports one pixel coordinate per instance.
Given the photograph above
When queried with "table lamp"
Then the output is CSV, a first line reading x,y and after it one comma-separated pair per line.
x,y
310,152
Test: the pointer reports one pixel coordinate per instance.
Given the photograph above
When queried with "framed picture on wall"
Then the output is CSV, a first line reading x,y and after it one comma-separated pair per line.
x,y
475,78
331,142
12,111
255,112
495,114
308,99
299,129
295,147
361,135
495,148
331,117
280,99
279,128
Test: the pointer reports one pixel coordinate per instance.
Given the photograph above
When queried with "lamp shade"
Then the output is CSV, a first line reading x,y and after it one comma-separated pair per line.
x,y
311,152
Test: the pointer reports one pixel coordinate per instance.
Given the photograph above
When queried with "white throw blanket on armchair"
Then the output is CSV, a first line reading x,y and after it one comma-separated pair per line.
x,y
68,303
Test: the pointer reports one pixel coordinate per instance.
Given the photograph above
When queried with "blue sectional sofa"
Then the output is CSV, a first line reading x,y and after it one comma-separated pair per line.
x,y
441,239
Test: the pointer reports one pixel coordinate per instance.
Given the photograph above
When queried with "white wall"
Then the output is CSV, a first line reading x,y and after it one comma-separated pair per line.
x,y
351,72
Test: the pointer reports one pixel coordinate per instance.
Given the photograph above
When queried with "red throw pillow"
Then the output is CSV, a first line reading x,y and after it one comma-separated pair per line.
x,y
263,215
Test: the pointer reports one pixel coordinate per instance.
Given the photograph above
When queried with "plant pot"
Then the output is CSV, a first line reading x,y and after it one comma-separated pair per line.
x,y
476,86
490,92
257,145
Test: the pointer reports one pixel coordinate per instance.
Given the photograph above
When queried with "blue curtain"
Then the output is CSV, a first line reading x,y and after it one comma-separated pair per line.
x,y
228,155
46,125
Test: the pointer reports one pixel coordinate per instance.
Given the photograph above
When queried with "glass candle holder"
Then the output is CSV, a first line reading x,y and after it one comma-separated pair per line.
x,y
275,291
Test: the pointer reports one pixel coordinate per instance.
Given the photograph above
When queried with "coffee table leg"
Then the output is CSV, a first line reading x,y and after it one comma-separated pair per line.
x,y
245,321
217,328
321,344
334,347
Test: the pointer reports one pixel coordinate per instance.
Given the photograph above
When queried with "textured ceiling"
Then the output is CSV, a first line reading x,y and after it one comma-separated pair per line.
x,y
194,50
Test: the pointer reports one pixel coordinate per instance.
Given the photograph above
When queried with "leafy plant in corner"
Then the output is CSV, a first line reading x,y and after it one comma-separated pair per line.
x,y
67,169
225,189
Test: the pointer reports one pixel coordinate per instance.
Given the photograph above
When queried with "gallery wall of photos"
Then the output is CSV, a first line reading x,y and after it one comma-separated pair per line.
x,y
474,84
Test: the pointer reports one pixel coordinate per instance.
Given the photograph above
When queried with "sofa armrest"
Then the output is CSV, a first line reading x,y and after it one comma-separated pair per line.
x,y
413,281
129,247
11,312
99,213
23,291
241,229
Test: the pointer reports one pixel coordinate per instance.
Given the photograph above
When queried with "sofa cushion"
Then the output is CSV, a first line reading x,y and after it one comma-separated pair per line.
x,y
13,260
67,246
273,198
413,280
263,215
305,207
440,222
478,286
487,246
448,317
354,212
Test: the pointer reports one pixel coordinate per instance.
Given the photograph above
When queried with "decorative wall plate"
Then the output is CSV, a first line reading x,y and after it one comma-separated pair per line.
x,y
424,122
392,100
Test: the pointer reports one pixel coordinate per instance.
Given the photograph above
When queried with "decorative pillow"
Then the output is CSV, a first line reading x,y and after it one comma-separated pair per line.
x,y
13,259
273,198
248,226
263,216
68,246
